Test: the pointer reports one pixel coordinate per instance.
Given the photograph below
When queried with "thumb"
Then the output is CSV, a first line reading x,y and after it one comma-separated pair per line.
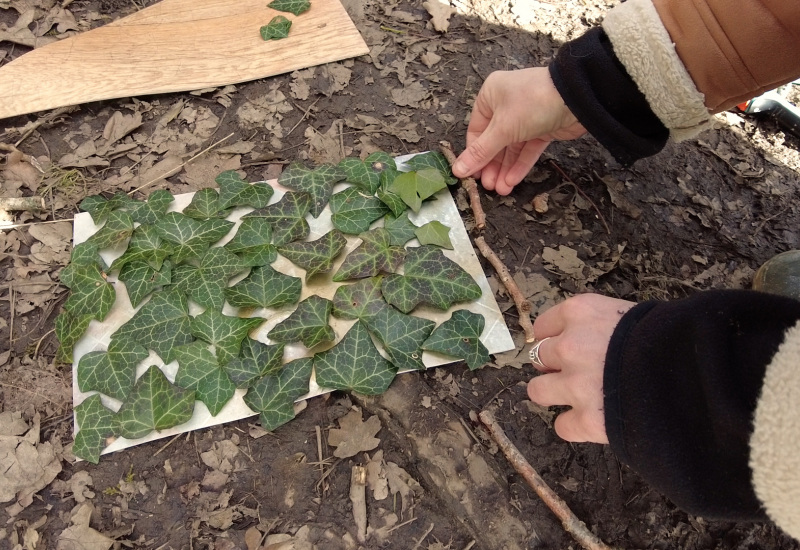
x,y
477,154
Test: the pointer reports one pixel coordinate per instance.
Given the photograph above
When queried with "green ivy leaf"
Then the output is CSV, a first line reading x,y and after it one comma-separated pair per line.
x,y
430,278
206,282
435,233
366,174
265,287
69,329
316,256
292,6
387,197
234,191
277,28
83,255
111,372
415,187
354,364
361,300
199,370
432,159
400,228
459,337
317,182
141,279
99,207
354,212
308,323
154,404
252,243
402,336
273,396
145,246
148,213
287,217
225,333
373,256
256,360
91,294
205,205
117,229
161,324
95,426
190,237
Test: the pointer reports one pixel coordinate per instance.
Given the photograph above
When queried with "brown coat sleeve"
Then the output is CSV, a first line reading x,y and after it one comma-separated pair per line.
x,y
734,49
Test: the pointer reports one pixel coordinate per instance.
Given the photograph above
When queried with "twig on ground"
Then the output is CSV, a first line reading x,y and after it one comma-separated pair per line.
x,y
470,185
302,118
22,204
18,225
569,521
581,193
49,117
358,496
158,452
399,525
423,537
524,307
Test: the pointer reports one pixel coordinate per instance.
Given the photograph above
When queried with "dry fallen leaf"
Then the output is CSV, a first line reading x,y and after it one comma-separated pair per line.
x,y
77,486
119,126
440,11
565,260
354,436
79,536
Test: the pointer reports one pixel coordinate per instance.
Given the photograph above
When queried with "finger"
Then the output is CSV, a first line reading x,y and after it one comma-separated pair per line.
x,y
549,323
548,390
489,175
546,357
478,153
580,426
526,158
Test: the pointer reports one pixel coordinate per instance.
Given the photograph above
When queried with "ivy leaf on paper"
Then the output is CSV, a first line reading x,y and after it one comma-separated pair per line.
x,y
354,212
415,187
253,243
199,370
366,174
400,228
308,323
435,233
69,329
117,229
224,332
459,337
276,29
161,324
206,282
374,255
433,159
361,300
154,404
317,182
265,287
141,279
148,213
430,278
95,426
273,396
292,6
91,294
402,336
111,372
147,246
83,255
387,197
354,364
190,237
100,207
234,191
287,217
316,256
256,360
205,205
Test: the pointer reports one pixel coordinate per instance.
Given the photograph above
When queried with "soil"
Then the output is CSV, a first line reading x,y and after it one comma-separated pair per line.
x,y
701,214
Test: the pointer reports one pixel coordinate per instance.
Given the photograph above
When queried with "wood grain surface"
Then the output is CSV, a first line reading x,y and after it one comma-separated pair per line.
x,y
175,45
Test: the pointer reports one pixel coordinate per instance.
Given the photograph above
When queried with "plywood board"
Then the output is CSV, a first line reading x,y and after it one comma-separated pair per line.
x,y
172,46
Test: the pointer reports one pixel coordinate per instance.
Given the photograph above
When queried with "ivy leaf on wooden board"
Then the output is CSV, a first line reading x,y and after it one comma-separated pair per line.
x,y
402,336
361,300
374,255
387,197
354,364
265,287
224,332
205,205
308,323
69,329
149,212
206,282
435,233
273,396
430,278
190,237
354,212
141,279
400,228
459,337
146,245
199,370
253,243
287,217
116,230
95,426
100,207
292,6
354,435
83,255
161,324
317,182
90,293
415,187
433,159
111,372
234,191
276,29
366,174
256,360
154,404
316,256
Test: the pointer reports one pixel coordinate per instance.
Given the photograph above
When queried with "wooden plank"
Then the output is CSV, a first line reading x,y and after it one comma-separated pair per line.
x,y
172,46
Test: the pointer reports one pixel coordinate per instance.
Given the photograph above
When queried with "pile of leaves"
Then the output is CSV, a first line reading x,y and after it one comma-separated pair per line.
x,y
172,258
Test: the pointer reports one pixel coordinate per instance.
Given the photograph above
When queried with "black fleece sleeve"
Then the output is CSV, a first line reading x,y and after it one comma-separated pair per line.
x,y
681,384
595,86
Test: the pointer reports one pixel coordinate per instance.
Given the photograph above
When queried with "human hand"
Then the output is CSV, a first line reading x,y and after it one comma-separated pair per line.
x,y
515,117
578,331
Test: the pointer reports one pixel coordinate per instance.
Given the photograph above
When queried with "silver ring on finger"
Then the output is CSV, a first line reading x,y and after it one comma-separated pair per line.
x,y
534,354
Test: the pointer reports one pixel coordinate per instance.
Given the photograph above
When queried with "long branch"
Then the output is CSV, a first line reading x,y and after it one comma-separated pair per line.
x,y
470,185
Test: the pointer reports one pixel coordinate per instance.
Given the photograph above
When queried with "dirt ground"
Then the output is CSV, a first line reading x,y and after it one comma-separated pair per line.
x,y
701,214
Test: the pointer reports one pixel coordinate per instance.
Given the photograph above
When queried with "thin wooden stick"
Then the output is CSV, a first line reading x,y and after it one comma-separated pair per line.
x,y
19,204
524,307
470,185
569,521
358,489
